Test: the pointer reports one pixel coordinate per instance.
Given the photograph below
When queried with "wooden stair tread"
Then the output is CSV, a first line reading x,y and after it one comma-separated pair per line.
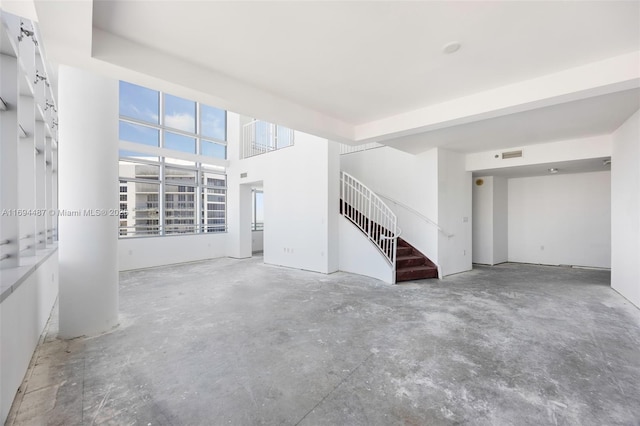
x,y
411,264
417,268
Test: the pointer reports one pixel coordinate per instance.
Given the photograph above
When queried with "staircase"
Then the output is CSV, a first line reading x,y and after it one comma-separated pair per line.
x,y
376,220
411,264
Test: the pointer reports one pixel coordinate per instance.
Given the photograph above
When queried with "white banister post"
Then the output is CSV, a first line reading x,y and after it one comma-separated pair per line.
x,y
368,216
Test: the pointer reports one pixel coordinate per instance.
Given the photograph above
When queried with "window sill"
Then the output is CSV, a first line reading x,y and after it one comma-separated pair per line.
x,y
12,278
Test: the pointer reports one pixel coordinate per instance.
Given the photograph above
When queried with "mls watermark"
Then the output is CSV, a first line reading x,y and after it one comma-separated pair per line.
x,y
64,212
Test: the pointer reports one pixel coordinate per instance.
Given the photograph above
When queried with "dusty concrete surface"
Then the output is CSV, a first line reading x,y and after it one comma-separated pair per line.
x,y
242,343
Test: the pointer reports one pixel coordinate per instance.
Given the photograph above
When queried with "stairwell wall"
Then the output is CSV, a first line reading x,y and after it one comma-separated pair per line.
x,y
409,179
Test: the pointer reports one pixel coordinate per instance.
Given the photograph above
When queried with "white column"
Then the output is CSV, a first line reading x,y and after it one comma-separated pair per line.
x,y
88,183
239,198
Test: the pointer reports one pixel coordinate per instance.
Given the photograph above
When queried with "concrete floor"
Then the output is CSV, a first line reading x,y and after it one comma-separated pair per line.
x,y
242,343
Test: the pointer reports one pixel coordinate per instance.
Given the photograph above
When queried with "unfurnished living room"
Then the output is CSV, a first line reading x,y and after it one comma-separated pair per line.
x,y
319,213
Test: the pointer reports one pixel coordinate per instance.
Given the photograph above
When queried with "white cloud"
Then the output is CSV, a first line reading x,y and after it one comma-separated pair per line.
x,y
181,121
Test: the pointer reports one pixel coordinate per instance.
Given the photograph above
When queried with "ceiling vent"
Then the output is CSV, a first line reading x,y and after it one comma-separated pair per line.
x,y
511,154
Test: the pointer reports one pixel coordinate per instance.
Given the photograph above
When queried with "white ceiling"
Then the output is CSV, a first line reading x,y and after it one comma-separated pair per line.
x,y
362,61
361,71
587,117
564,167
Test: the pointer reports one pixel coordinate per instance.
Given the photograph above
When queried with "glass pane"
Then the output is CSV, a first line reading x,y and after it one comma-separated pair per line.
x,y
139,214
187,177
259,211
180,209
137,155
214,210
264,136
139,134
131,169
284,136
177,162
139,102
179,113
213,169
212,149
213,122
179,142
214,180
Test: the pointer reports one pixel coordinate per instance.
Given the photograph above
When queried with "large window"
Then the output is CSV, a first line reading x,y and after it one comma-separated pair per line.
x,y
257,222
164,194
193,196
150,117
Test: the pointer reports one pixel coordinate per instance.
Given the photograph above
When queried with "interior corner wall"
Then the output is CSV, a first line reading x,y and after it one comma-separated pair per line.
x,y
409,179
483,220
300,214
500,220
454,213
561,219
625,210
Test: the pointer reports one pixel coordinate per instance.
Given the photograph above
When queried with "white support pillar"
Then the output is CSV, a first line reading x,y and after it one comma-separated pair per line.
x,y
88,185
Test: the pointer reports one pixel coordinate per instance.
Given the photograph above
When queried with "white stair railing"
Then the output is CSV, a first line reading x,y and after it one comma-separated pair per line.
x,y
259,137
369,213
348,149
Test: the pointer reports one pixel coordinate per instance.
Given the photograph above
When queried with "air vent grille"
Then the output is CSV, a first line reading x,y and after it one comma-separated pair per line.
x,y
511,154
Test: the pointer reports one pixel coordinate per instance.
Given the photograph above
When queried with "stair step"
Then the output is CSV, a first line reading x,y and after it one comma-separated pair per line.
x,y
403,251
411,260
416,273
403,243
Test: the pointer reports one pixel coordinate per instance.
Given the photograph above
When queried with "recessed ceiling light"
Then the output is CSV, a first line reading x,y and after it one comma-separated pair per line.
x,y
451,47
553,170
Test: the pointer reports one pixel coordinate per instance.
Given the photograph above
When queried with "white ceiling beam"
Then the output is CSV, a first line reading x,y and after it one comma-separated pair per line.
x,y
594,79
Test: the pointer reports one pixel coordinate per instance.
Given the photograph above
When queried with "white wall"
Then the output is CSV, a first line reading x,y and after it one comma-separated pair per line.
x,y
625,206
409,179
500,220
567,150
490,220
483,221
454,213
23,316
300,210
147,252
561,219
359,256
